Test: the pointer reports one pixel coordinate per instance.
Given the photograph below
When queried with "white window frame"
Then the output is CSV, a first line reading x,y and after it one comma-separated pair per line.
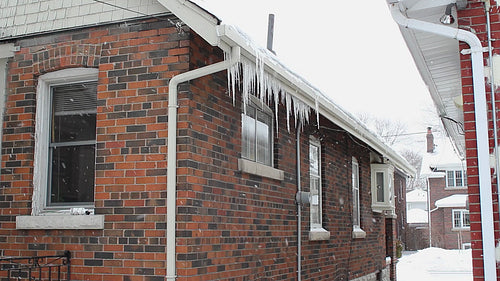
x,y
382,181
461,213
251,165
317,231
43,216
357,232
262,109
457,183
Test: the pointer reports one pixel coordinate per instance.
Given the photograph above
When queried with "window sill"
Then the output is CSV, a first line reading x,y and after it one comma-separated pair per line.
x,y
60,222
358,233
255,168
460,229
319,234
455,188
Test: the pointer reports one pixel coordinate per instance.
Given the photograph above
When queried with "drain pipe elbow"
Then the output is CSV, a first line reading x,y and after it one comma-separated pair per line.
x,y
482,138
172,149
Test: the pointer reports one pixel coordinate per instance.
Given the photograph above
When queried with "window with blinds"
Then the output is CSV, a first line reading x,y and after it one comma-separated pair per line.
x,y
72,143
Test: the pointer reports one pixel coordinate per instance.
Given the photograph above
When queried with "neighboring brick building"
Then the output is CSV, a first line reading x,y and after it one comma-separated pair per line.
x,y
94,113
455,46
446,178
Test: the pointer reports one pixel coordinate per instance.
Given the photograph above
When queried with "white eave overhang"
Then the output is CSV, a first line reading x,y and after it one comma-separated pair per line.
x,y
438,61
226,37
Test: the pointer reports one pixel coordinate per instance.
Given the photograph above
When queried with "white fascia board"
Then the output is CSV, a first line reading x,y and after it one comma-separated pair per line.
x,y
202,22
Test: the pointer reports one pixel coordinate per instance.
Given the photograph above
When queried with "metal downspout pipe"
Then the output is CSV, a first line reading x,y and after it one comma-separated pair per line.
x,y
172,150
299,212
480,109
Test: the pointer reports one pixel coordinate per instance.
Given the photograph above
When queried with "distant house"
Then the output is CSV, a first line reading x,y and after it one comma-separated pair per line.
x,y
453,45
155,143
446,178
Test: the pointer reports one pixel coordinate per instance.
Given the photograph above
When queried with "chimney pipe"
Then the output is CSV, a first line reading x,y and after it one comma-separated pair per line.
x,y
430,140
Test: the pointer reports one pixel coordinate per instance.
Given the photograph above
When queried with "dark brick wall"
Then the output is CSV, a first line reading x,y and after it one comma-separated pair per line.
x,y
231,225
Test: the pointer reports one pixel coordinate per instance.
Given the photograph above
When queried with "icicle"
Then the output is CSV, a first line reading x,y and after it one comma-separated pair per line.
x,y
254,80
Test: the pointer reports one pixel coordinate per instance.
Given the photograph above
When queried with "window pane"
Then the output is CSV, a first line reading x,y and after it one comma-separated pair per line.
x,y
456,219
248,135
68,128
466,219
450,178
72,174
263,141
314,160
458,178
355,194
355,209
380,186
315,201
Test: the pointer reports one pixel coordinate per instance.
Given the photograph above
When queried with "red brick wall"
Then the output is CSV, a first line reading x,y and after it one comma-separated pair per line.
x,y
231,225
441,219
474,17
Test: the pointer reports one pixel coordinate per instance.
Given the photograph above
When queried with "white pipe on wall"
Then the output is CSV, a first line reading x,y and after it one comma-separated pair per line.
x,y
480,109
172,149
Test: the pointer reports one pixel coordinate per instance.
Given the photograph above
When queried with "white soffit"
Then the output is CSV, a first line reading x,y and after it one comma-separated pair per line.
x,y
438,60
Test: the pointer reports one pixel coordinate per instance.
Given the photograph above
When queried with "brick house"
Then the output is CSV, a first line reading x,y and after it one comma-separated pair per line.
x,y
455,47
154,142
446,179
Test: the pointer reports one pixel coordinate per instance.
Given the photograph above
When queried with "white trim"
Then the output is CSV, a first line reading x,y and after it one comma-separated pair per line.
x,y
60,222
40,173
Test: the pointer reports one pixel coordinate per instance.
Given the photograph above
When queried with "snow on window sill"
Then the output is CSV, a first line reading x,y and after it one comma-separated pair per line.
x,y
258,169
358,233
61,221
319,234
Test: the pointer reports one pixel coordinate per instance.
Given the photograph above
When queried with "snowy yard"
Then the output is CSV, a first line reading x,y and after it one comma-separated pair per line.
x,y
434,264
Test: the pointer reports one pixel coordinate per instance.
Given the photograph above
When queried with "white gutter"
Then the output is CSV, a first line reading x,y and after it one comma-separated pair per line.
x,y
172,149
480,110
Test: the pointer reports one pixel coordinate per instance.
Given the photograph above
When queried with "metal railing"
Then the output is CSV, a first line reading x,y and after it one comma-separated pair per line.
x,y
37,268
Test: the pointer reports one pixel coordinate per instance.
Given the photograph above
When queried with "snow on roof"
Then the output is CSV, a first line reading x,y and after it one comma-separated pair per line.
x,y
444,157
455,200
417,195
417,216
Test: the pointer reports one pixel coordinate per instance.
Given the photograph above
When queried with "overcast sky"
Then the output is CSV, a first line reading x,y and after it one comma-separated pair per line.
x,y
351,50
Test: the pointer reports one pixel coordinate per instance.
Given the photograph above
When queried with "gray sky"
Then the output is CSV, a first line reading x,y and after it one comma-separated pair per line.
x,y
351,50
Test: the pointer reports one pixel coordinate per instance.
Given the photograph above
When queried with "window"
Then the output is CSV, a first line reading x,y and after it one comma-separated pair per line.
x,y
65,147
257,132
72,144
461,219
356,210
382,176
356,218
317,231
63,176
456,178
315,183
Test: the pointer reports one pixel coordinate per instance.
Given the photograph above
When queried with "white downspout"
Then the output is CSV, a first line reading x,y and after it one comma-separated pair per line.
x,y
299,212
480,109
172,149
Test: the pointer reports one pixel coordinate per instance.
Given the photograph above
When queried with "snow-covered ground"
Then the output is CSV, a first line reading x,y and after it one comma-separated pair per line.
x,y
435,264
